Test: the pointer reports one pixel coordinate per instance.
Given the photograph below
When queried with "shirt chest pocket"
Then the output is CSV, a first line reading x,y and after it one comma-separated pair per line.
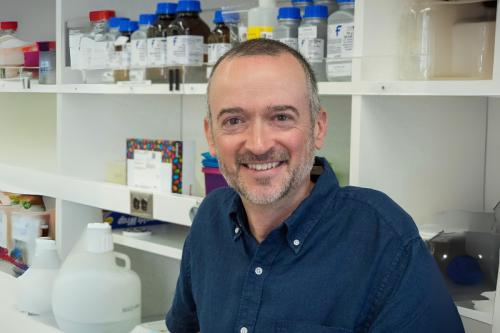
x,y
286,326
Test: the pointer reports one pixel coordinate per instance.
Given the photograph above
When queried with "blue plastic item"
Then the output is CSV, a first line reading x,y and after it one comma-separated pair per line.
x,y
114,22
129,26
209,161
166,8
464,270
289,13
316,11
192,6
147,19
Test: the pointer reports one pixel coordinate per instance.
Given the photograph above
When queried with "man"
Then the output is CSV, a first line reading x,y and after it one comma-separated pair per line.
x,y
287,249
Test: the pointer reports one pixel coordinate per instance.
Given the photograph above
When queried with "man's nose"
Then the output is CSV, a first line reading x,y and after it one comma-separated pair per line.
x,y
259,138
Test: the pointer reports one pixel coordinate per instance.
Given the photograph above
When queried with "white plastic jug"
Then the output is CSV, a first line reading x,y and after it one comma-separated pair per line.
x,y
35,286
92,293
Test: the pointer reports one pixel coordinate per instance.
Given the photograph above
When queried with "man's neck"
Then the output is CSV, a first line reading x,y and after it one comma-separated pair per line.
x,y
262,219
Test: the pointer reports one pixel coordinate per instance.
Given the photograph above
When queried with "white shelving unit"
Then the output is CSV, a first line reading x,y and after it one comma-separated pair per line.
x,y
430,145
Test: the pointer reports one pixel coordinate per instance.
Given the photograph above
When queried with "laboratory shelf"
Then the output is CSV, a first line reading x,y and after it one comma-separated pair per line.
x,y
16,86
132,89
166,240
174,208
484,317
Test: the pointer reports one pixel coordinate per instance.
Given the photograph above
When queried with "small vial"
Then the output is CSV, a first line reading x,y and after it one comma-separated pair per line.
x,y
219,41
47,65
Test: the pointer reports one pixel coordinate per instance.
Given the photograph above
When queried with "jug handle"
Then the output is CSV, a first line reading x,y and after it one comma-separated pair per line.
x,y
123,257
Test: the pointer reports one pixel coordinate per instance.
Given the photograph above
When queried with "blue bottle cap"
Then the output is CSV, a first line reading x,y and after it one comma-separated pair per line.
x,y
345,1
295,2
192,6
147,19
129,26
222,17
316,11
289,13
166,8
114,22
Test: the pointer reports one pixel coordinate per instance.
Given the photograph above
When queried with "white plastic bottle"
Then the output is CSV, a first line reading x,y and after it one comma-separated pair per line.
x,y
340,42
36,284
91,292
262,20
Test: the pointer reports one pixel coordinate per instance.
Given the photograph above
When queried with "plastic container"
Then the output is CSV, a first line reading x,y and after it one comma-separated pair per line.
x,y
219,41
340,42
213,179
157,42
446,40
262,20
312,39
287,30
331,4
26,228
95,49
91,292
122,50
34,287
187,36
302,4
139,47
47,73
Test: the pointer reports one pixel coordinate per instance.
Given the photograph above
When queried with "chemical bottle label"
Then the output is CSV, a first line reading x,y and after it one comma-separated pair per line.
x,y
139,53
340,40
311,47
157,52
259,32
341,69
291,42
215,51
185,50
99,55
74,48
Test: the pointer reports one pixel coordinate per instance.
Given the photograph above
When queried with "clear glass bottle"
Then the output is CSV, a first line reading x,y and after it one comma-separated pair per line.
x,y
312,39
219,41
302,4
94,49
187,38
287,30
157,71
139,47
122,50
340,42
47,62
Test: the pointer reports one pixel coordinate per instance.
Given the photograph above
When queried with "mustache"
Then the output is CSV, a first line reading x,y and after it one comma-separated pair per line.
x,y
270,155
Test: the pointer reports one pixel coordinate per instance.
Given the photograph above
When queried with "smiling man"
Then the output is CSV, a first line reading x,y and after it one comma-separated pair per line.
x,y
286,249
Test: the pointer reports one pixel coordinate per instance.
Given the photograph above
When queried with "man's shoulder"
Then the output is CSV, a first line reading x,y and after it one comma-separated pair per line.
x,y
380,209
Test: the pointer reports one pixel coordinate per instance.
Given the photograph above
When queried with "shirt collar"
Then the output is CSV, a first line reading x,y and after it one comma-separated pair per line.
x,y
306,215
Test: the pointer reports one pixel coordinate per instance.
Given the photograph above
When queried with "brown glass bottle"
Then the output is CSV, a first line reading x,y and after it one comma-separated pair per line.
x,y
192,33
122,50
157,42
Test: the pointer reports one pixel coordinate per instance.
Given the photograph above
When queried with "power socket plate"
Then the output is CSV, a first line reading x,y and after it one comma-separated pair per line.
x,y
141,204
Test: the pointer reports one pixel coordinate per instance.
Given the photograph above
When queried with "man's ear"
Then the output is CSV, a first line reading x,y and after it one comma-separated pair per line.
x,y
209,136
320,128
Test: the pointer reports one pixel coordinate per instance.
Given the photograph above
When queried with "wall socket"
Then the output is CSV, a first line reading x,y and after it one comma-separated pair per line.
x,y
141,204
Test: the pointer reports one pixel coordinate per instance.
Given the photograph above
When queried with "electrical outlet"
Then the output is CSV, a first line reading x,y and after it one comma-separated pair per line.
x,y
141,204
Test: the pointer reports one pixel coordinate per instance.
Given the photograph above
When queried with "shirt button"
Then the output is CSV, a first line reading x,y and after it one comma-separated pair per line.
x,y
236,230
258,271
243,330
296,242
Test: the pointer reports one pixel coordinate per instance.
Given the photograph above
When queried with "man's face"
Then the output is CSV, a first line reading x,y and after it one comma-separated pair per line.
x,y
262,130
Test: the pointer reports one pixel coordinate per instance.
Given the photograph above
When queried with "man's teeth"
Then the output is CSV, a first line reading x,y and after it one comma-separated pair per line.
x,y
263,166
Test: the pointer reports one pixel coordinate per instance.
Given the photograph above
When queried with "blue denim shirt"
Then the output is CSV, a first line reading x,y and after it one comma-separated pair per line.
x,y
347,260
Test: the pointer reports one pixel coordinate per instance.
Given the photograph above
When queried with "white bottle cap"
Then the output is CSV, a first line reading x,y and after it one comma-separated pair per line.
x,y
267,3
99,238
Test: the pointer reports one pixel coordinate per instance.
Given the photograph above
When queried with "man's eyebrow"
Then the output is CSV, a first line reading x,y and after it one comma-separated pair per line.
x,y
277,108
225,111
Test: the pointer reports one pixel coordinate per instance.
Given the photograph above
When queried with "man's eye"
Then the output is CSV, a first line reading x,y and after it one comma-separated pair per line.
x,y
282,117
231,122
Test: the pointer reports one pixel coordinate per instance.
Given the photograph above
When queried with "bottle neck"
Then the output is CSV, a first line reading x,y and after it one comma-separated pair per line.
x,y
188,15
348,5
100,26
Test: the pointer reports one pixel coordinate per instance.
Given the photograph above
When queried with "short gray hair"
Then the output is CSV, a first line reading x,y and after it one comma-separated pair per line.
x,y
262,46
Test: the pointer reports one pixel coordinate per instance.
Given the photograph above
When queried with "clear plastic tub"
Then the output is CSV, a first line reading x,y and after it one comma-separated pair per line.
x,y
442,40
